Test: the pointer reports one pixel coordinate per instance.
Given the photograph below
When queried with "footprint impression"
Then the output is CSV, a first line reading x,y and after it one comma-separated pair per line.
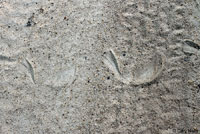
x,y
141,74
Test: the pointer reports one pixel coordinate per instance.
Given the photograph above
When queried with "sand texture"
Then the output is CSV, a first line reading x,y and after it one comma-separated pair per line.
x,y
99,66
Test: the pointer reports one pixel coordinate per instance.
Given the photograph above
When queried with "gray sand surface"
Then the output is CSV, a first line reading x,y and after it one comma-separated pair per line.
x,y
99,66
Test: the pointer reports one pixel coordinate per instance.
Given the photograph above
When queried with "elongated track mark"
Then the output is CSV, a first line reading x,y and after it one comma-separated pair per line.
x,y
192,44
111,61
190,47
5,58
28,65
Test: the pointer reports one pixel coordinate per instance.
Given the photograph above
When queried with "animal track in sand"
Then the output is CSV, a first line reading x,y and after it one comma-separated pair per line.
x,y
142,73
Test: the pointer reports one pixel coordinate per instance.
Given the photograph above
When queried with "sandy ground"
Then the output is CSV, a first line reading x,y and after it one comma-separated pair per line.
x,y
99,66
